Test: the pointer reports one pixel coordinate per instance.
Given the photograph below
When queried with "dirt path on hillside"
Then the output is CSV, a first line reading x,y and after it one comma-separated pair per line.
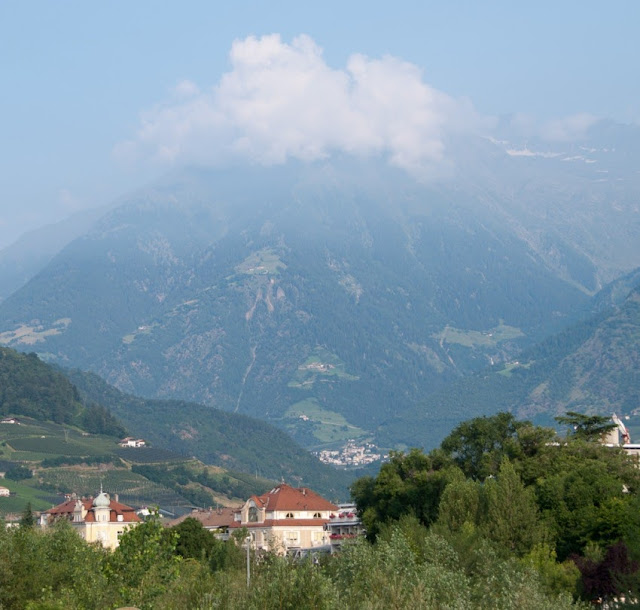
x,y
244,377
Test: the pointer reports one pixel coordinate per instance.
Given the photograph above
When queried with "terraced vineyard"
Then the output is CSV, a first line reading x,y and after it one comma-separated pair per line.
x,y
64,459
132,488
148,455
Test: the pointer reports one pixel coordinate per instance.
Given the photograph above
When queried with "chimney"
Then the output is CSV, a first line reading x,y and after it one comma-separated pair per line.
x,y
116,497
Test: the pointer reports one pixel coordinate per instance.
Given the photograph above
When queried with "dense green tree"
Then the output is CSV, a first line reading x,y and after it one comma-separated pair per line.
x,y
509,514
501,509
410,483
145,563
460,504
194,541
53,568
477,446
586,427
18,473
28,518
99,420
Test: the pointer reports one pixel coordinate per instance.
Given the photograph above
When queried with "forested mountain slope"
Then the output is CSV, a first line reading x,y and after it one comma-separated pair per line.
x,y
591,367
33,388
329,297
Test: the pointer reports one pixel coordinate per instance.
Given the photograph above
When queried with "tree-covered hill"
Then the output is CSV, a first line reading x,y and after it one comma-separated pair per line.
x,y
32,388
229,440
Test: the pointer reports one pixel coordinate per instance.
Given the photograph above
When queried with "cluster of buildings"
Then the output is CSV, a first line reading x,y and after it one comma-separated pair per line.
x,y
351,455
286,520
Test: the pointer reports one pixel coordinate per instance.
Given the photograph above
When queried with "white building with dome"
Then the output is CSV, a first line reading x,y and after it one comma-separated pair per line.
x,y
100,519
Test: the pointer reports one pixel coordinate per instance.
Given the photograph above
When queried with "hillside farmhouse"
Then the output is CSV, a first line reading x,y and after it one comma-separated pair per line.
x,y
132,442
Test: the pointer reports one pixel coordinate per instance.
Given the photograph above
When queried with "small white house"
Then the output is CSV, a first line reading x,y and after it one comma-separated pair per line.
x,y
132,442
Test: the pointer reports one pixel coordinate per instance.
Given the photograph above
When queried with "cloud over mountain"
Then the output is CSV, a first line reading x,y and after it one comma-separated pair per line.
x,y
282,101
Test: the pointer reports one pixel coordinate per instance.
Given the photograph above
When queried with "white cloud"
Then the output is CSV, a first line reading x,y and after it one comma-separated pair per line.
x,y
282,101
566,129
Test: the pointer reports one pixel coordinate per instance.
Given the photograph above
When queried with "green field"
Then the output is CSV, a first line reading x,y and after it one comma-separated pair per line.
x,y
263,262
510,366
52,445
33,442
320,364
474,338
328,427
130,486
23,492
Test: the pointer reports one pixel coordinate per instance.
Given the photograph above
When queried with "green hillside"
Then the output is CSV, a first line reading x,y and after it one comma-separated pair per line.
x,y
43,461
32,388
228,440
66,441
591,367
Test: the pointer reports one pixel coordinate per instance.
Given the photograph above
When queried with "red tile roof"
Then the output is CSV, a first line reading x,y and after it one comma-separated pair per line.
x,y
117,508
285,497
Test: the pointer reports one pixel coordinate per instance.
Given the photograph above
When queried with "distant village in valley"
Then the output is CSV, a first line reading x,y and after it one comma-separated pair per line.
x,y
351,455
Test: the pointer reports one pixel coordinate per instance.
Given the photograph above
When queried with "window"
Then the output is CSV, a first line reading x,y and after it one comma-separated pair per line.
x,y
253,514
289,515
292,538
317,515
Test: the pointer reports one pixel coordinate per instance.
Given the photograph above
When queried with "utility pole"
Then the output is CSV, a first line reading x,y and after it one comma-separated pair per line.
x,y
248,541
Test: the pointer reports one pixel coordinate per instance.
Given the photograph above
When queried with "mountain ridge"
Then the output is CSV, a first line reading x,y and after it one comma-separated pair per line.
x,y
341,292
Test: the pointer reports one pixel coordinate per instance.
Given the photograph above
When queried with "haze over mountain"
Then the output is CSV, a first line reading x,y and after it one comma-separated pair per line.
x,y
330,296
23,259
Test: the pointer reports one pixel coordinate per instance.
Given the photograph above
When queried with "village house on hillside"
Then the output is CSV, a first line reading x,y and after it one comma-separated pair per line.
x,y
286,519
132,442
98,519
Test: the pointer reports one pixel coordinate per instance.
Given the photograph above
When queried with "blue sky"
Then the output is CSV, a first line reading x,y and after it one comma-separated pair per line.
x,y
77,77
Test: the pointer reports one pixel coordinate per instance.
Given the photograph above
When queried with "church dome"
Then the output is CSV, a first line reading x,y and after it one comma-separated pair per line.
x,y
102,500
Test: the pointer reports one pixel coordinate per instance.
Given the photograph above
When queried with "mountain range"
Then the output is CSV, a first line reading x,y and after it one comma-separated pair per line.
x,y
339,299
